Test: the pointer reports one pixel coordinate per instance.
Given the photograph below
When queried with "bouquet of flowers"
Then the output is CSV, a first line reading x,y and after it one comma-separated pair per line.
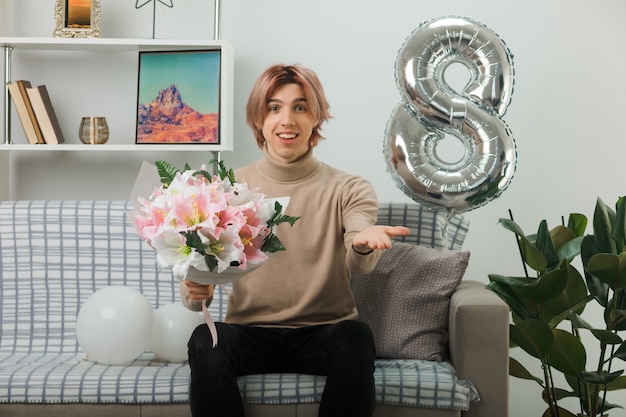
x,y
208,222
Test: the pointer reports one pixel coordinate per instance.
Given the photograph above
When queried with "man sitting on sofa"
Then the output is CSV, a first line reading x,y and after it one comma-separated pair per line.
x,y
295,313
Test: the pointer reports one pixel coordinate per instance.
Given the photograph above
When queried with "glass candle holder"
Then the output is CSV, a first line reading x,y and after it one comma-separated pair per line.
x,y
93,130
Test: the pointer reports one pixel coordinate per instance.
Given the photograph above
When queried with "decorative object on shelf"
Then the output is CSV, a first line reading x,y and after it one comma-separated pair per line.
x,y
140,3
93,130
178,98
25,111
77,19
431,110
45,114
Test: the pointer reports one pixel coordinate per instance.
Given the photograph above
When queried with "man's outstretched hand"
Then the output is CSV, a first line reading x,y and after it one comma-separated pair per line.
x,y
377,237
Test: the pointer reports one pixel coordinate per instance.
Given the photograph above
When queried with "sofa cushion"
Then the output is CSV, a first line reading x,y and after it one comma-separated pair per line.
x,y
405,300
428,227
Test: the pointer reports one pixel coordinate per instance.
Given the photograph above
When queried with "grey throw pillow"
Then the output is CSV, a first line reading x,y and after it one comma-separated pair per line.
x,y
405,300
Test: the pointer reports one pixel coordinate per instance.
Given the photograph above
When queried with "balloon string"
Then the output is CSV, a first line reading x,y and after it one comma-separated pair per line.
x,y
209,322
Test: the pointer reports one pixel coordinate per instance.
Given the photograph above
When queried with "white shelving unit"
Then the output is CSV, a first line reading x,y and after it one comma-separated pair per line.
x,y
16,48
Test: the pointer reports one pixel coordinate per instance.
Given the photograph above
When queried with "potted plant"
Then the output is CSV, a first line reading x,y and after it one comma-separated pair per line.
x,y
547,308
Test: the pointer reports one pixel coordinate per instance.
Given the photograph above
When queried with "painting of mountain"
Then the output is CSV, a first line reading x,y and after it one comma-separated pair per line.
x,y
178,97
167,119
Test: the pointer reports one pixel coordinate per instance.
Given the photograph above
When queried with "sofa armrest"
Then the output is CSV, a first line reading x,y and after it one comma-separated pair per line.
x,y
479,346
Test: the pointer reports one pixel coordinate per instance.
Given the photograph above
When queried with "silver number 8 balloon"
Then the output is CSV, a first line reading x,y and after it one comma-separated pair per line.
x,y
431,109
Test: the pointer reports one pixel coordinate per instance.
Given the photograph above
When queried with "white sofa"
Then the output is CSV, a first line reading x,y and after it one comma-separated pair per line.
x,y
55,254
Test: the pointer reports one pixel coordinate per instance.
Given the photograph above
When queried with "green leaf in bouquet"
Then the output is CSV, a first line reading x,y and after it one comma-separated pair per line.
x,y
206,174
223,172
167,172
210,261
278,218
272,244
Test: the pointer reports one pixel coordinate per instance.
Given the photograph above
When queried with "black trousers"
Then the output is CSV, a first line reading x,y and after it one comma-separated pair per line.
x,y
344,352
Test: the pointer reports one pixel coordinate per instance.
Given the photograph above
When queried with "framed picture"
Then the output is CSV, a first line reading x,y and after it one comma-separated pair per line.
x,y
77,19
179,97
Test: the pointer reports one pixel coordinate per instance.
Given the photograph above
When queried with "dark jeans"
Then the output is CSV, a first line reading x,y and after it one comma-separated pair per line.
x,y
344,352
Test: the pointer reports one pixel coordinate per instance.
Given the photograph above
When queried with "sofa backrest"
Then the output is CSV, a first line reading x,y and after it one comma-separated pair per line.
x,y
55,254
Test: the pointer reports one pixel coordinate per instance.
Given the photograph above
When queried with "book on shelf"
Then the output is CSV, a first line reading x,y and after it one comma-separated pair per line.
x,y
25,111
46,116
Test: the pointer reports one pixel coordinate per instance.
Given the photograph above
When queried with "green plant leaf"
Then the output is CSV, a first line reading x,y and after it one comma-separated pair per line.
x,y
577,223
596,287
530,254
560,394
511,226
518,370
606,337
546,246
578,322
533,336
618,232
609,268
510,297
620,353
602,378
548,285
561,413
576,308
533,257
615,318
568,354
560,235
603,219
570,249
617,384
573,298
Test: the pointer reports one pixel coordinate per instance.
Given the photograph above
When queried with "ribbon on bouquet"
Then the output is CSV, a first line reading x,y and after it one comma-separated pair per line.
x,y
207,316
209,322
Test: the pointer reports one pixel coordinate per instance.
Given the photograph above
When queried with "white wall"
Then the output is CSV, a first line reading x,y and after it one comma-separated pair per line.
x,y
566,115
